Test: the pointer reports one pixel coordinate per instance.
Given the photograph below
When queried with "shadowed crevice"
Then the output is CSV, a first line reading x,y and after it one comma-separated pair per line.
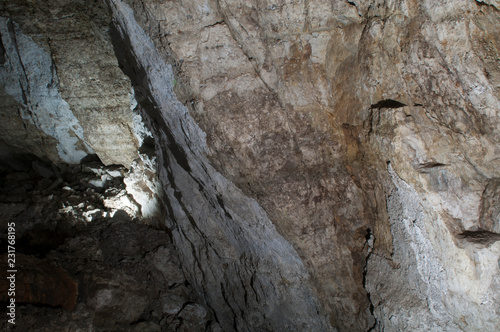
x,y
388,103
479,237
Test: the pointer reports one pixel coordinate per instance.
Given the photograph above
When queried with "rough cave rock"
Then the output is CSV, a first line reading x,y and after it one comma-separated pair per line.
x,y
319,165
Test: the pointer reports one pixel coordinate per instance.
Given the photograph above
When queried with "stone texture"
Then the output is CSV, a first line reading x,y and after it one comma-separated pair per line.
x,y
304,103
262,283
40,282
489,210
104,274
269,150
35,118
324,165
65,96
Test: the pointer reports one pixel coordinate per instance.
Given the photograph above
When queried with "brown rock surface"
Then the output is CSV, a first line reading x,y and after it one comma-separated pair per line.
x,y
65,96
39,281
304,103
326,165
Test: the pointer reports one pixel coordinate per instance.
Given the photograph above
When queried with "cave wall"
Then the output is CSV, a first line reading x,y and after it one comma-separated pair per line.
x,y
63,94
238,263
326,165
346,121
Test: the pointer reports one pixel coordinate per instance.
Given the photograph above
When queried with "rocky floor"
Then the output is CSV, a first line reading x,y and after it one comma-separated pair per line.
x,y
86,260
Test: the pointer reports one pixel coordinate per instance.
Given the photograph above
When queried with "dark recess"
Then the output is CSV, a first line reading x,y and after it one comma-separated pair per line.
x,y
479,236
138,76
388,103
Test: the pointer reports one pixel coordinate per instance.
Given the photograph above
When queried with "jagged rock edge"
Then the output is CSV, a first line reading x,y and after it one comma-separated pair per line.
x,y
239,228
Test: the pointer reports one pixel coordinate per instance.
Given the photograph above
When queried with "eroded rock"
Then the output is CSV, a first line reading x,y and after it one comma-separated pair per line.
x,y
56,102
41,283
323,165
109,272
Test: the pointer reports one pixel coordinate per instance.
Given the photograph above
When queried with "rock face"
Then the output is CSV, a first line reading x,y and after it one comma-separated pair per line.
x,y
63,95
43,124
82,266
41,283
304,104
324,165
242,268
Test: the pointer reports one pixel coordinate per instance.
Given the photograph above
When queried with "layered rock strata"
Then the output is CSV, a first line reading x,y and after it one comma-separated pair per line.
x,y
305,105
63,95
242,268
324,165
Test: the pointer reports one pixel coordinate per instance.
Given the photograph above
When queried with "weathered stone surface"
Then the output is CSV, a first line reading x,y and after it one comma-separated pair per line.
x,y
325,165
114,297
126,275
35,118
489,210
143,185
304,103
262,283
40,282
64,95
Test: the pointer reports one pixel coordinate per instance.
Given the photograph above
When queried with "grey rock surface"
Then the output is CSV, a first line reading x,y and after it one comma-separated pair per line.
x,y
63,94
302,105
127,274
244,270
321,165
33,110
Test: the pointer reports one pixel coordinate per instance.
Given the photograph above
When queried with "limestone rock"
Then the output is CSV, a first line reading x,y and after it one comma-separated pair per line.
x,y
262,283
143,185
115,297
57,102
489,210
321,165
303,105
108,273
35,118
